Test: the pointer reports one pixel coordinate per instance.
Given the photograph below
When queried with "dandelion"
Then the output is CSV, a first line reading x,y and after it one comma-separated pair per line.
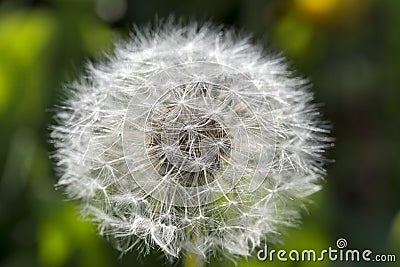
x,y
192,139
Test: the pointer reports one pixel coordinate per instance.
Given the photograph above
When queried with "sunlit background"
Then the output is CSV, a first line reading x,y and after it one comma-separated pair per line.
x,y
349,49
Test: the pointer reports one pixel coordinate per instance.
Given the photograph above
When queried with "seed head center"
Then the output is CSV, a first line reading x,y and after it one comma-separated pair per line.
x,y
186,143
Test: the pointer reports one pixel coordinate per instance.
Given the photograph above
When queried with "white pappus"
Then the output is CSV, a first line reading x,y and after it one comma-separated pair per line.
x,y
190,138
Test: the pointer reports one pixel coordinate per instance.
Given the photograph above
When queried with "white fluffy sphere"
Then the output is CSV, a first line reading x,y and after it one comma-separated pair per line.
x,y
190,138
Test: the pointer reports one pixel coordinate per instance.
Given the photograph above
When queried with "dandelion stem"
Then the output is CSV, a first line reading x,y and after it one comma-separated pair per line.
x,y
193,260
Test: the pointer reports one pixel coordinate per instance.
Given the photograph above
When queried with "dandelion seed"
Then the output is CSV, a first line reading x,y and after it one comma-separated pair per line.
x,y
192,139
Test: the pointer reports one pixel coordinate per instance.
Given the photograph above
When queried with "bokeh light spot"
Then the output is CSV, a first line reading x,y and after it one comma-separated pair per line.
x,y
111,11
318,6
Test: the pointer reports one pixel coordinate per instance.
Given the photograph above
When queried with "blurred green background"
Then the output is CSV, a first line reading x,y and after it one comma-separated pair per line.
x,y
349,49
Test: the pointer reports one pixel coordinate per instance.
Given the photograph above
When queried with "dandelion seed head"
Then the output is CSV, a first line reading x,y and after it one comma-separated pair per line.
x,y
190,138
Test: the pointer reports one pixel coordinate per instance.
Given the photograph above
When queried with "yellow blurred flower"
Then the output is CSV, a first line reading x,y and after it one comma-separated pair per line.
x,y
332,11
